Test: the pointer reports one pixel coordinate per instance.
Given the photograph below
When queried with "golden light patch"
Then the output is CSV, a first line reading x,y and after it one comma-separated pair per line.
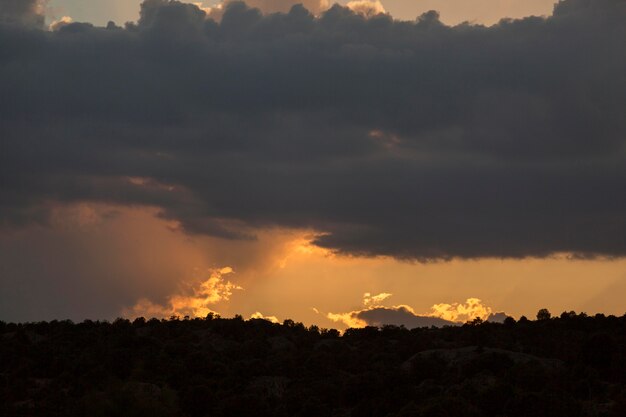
x,y
301,247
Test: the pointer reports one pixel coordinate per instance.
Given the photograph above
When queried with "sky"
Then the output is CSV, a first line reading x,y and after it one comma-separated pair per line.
x,y
100,12
342,165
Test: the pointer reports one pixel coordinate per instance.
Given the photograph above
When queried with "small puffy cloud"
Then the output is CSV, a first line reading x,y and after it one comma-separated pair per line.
x,y
374,300
197,301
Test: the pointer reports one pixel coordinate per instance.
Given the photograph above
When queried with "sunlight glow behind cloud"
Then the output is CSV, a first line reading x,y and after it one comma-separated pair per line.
x,y
366,8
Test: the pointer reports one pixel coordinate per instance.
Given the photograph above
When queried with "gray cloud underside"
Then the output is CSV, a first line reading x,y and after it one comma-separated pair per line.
x,y
409,139
400,316
403,316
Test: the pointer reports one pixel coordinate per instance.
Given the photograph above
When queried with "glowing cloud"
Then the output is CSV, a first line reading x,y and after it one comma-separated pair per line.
x,y
58,24
460,312
350,319
198,304
375,300
366,8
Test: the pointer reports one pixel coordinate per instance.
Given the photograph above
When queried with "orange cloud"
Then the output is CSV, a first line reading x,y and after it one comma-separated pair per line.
x,y
460,312
197,304
374,300
350,319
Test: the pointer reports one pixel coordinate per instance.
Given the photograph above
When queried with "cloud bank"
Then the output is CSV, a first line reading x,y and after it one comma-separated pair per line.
x,y
413,140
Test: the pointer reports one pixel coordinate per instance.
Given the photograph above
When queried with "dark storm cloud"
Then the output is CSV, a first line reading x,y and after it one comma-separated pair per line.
x,y
409,139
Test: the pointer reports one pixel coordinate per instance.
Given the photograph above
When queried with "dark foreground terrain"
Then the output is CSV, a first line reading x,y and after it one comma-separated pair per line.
x,y
570,366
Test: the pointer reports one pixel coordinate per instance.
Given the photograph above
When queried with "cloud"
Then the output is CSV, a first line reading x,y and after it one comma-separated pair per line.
x,y
366,8
97,261
94,260
503,141
197,301
498,317
216,11
373,300
22,12
400,316
462,312
58,24
374,313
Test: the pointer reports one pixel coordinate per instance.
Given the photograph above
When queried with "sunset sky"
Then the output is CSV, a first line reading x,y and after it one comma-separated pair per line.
x,y
369,163
100,12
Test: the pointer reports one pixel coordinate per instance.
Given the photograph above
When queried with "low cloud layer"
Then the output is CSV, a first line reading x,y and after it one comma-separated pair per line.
x,y
413,140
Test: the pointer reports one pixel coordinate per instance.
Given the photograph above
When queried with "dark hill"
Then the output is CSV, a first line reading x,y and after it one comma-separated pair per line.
x,y
570,366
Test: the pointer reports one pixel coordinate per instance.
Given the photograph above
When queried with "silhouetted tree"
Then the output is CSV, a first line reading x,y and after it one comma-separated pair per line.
x,y
543,314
